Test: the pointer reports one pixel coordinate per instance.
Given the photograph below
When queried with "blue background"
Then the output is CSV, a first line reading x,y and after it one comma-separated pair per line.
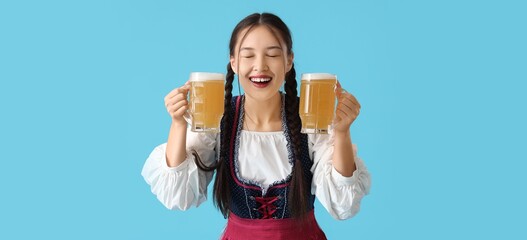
x,y
442,128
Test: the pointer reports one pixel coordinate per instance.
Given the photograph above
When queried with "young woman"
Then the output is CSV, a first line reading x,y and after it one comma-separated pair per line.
x,y
267,172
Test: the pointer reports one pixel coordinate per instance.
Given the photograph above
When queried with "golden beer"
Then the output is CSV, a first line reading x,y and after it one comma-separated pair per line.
x,y
317,102
207,94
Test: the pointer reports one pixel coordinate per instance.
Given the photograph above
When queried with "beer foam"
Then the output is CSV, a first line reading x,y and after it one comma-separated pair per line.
x,y
318,76
206,76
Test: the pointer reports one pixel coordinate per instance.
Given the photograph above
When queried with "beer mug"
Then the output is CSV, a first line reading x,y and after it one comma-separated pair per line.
x,y
206,97
317,102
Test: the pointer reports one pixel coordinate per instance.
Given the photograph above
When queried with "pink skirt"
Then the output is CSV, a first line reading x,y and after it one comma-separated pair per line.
x,y
275,229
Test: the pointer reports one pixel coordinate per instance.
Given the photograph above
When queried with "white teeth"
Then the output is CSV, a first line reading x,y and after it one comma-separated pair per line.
x,y
260,79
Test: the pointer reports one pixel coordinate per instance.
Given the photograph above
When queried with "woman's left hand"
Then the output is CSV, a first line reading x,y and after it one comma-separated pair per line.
x,y
348,108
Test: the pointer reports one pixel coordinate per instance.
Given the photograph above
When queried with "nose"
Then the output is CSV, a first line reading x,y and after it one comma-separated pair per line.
x,y
260,65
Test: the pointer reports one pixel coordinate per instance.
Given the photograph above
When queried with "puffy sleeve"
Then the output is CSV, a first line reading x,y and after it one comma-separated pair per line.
x,y
185,185
340,195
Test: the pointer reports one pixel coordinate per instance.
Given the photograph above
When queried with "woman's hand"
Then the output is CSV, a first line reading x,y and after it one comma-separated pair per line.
x,y
348,108
176,103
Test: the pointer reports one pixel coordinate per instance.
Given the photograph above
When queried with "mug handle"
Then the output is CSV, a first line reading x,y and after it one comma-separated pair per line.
x,y
342,90
188,117
337,96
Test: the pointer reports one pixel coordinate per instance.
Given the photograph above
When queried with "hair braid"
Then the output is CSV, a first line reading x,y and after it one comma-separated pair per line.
x,y
221,190
298,196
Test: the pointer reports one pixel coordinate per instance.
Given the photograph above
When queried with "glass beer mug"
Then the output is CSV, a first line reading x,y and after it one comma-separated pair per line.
x,y
206,98
317,102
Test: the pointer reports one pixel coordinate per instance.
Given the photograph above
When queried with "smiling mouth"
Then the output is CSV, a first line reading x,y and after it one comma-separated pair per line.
x,y
260,79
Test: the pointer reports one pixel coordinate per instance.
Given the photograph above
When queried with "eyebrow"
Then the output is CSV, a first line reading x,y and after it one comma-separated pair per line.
x,y
268,48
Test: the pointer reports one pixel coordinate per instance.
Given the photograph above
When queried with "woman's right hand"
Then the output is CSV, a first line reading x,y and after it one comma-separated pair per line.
x,y
176,103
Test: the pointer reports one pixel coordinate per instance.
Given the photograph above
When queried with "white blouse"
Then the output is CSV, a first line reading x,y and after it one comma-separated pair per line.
x,y
262,158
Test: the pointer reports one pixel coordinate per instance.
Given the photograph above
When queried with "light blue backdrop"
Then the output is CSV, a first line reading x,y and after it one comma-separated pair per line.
x,y
442,85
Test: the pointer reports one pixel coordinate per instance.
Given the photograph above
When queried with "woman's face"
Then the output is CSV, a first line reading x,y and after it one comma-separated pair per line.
x,y
261,62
